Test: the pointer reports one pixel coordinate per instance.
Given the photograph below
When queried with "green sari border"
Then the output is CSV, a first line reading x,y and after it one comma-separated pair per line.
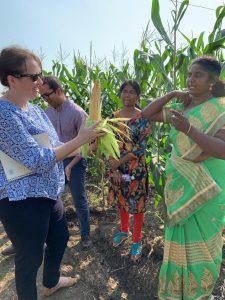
x,y
190,207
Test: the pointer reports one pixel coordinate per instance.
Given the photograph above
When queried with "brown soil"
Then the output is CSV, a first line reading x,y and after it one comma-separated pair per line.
x,y
102,272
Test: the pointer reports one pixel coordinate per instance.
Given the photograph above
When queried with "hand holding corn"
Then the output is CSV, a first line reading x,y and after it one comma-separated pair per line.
x,y
90,133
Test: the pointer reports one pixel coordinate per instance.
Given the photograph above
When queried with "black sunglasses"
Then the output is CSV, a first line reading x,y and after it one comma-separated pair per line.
x,y
46,95
33,77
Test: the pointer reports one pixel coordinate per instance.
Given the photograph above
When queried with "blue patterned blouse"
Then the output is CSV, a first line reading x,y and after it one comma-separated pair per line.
x,y
16,129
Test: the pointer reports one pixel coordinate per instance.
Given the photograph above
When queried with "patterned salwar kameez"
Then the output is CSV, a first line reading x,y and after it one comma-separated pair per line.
x,y
132,194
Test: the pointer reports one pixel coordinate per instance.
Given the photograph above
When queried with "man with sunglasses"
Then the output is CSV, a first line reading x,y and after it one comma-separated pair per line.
x,y
66,117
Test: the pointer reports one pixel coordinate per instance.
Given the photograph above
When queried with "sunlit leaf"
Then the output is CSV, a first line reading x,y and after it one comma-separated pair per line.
x,y
156,19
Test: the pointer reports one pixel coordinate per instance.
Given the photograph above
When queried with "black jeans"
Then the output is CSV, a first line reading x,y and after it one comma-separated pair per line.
x,y
30,224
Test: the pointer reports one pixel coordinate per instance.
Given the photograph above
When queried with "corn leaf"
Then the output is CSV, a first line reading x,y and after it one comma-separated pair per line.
x,y
156,19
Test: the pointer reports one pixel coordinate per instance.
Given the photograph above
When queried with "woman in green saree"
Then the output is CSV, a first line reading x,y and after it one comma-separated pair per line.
x,y
195,185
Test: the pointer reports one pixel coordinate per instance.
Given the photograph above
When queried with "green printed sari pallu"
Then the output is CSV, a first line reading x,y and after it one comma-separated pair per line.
x,y
195,200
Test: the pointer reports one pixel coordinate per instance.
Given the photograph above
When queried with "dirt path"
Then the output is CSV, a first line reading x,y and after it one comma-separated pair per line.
x,y
102,273
99,271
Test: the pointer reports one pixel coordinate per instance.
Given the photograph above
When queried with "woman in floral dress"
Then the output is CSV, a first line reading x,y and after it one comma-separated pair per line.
x,y
129,175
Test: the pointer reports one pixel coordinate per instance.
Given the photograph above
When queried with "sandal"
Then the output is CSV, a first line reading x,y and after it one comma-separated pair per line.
x,y
136,251
64,282
119,238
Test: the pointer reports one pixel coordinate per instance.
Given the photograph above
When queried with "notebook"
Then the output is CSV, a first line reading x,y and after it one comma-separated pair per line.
x,y
14,169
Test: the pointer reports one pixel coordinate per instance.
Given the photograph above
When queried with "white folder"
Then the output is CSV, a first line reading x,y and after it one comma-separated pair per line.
x,y
14,169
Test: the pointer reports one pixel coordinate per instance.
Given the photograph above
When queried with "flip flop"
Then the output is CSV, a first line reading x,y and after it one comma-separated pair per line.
x,y
64,282
136,251
119,238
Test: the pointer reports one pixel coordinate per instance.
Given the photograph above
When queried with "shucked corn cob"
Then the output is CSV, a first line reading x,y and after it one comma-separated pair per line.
x,y
107,144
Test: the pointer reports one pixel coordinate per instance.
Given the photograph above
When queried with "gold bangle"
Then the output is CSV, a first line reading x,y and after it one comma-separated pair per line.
x,y
189,129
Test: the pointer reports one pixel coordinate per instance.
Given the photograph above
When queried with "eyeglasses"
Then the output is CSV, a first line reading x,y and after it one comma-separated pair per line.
x,y
33,77
46,95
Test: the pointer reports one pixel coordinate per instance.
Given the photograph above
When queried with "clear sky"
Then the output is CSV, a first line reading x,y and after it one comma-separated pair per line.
x,y
42,25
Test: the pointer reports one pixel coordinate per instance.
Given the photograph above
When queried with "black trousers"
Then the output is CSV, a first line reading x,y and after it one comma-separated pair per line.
x,y
30,224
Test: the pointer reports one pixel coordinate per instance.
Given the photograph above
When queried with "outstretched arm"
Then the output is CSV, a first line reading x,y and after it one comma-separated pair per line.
x,y
211,145
115,163
84,136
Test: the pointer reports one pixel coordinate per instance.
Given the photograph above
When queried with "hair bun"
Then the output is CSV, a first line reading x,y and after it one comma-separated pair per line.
x,y
218,89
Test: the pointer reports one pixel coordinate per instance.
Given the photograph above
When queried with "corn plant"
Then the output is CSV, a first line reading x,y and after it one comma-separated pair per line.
x,y
160,66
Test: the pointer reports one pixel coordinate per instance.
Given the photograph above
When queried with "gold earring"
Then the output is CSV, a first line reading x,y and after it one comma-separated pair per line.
x,y
210,87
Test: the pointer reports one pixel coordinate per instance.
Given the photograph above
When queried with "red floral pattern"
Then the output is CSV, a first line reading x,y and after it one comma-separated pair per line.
x,y
132,195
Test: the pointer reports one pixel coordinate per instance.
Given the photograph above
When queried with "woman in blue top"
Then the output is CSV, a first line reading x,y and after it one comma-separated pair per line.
x,y
30,207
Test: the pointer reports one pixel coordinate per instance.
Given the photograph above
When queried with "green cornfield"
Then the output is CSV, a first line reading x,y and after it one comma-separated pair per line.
x,y
160,65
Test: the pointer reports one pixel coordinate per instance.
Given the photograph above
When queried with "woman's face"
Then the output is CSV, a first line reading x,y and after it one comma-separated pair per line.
x,y
129,96
199,81
27,86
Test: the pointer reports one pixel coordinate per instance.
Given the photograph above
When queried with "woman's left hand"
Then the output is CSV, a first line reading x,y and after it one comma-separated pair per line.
x,y
179,121
182,96
89,134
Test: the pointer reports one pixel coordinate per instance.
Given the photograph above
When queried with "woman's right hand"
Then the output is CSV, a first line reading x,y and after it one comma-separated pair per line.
x,y
89,134
116,177
183,96
68,171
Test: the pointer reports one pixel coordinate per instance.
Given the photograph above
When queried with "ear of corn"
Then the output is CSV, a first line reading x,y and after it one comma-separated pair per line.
x,y
95,102
107,144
